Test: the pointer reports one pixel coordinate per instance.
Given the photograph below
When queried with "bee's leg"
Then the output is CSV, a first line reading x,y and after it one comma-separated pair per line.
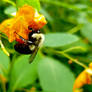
x,y
24,40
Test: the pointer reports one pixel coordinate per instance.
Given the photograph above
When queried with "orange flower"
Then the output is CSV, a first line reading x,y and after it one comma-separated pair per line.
x,y
26,17
12,26
32,17
83,78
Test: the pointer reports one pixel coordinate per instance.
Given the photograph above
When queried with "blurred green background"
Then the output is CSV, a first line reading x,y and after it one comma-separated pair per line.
x,y
68,39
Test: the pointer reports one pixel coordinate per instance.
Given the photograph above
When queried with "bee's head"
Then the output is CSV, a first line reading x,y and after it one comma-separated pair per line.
x,y
36,37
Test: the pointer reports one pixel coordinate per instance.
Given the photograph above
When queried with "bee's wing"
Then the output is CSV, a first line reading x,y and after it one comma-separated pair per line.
x,y
33,55
35,52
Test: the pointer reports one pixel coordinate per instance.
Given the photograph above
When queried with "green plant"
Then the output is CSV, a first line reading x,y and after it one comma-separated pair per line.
x,y
66,51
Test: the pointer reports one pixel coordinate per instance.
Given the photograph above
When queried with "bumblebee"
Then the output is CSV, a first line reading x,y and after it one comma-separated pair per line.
x,y
30,46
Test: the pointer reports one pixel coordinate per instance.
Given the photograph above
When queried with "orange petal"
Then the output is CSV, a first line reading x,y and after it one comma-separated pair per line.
x,y
38,22
21,28
15,25
83,78
6,27
27,12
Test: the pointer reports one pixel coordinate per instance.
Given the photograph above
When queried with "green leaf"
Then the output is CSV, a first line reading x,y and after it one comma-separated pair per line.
x,y
59,39
34,3
4,63
23,73
77,47
10,10
54,76
87,31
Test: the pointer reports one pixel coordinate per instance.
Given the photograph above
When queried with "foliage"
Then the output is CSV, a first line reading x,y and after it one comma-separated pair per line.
x,y
65,54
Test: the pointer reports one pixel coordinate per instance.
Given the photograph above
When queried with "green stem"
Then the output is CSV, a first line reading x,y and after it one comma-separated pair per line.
x,y
67,56
3,48
61,4
3,83
10,2
10,74
66,5
3,86
74,60
73,48
75,29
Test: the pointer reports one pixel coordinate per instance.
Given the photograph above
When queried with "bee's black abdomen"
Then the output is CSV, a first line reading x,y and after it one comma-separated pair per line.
x,y
22,48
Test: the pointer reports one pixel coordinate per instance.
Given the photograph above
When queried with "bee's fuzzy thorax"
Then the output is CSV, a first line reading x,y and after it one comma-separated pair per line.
x,y
39,36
